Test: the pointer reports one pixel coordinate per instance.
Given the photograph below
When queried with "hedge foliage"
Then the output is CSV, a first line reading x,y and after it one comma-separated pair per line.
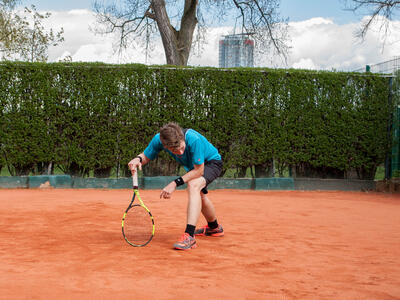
x,y
91,116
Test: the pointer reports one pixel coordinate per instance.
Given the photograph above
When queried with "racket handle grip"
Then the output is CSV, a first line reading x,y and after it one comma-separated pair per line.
x,y
135,180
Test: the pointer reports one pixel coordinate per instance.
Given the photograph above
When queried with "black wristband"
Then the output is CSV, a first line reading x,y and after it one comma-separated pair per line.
x,y
179,181
140,158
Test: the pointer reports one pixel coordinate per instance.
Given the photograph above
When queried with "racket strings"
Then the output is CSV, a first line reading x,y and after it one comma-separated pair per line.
x,y
138,225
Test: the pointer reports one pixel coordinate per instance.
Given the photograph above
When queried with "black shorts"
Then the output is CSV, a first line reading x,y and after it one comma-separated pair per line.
x,y
212,170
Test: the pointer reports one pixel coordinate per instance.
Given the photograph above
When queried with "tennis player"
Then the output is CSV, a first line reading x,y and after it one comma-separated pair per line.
x,y
203,165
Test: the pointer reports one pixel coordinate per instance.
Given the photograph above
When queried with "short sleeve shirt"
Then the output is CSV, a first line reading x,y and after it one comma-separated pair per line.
x,y
198,150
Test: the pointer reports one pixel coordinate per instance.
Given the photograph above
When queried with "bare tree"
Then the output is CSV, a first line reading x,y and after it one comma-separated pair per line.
x,y
35,41
376,11
23,36
176,23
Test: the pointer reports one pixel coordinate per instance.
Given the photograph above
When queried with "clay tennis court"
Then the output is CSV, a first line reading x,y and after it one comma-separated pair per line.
x,y
67,244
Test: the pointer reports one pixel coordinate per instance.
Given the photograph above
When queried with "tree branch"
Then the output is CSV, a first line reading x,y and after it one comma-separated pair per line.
x,y
375,8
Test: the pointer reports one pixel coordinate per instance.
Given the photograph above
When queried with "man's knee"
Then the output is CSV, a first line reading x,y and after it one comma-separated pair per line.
x,y
196,184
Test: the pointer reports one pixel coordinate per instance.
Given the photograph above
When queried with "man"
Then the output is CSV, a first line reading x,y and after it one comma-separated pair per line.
x,y
203,165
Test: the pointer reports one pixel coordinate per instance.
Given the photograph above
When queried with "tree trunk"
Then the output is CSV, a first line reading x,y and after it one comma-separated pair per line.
x,y
102,172
264,170
176,44
185,34
161,167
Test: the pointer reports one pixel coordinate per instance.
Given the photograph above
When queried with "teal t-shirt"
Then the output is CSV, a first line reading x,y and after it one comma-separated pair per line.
x,y
198,150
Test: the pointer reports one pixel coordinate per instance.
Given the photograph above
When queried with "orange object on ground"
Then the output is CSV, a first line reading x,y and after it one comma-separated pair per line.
x,y
67,244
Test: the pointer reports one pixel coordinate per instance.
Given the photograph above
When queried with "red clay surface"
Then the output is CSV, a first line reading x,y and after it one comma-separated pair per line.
x,y
67,244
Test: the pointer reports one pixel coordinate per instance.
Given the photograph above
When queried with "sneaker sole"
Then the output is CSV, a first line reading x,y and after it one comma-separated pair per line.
x,y
219,234
185,249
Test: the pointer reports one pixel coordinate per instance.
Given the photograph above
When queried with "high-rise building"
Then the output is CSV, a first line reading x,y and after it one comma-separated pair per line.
x,y
236,50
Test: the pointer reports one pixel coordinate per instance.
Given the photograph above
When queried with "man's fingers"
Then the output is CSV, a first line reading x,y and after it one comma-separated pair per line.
x,y
133,166
165,195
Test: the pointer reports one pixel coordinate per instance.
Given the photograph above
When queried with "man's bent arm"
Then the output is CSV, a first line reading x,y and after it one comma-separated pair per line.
x,y
197,172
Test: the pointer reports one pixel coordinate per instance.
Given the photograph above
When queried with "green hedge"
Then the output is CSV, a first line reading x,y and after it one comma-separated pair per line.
x,y
92,117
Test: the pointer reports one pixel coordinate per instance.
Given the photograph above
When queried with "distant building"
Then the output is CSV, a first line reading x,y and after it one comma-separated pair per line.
x,y
236,50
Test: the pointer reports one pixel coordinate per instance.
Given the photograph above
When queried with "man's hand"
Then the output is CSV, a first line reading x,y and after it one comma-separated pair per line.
x,y
168,190
133,164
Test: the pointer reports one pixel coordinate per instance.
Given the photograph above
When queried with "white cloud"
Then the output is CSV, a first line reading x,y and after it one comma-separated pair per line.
x,y
94,52
331,46
304,63
306,24
316,43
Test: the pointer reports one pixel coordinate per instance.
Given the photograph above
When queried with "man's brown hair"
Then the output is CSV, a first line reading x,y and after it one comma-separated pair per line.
x,y
171,135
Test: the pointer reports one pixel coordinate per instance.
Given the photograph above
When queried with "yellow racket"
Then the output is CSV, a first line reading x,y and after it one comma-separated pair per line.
x,y
137,222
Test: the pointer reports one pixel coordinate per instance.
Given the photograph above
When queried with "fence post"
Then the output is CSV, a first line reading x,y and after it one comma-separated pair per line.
x,y
388,156
395,167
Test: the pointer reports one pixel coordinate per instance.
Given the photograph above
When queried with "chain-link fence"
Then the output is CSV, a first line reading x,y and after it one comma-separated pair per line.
x,y
396,146
392,69
386,67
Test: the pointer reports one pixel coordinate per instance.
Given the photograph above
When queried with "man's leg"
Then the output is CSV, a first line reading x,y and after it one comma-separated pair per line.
x,y
212,228
195,200
193,212
211,171
207,208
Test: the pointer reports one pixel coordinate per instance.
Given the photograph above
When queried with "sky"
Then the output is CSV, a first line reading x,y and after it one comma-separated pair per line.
x,y
321,38
296,10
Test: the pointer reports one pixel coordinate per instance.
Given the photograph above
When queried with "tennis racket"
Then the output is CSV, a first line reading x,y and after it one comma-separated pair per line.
x,y
137,222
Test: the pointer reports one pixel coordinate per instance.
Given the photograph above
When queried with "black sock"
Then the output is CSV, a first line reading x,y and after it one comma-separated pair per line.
x,y
213,224
190,229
